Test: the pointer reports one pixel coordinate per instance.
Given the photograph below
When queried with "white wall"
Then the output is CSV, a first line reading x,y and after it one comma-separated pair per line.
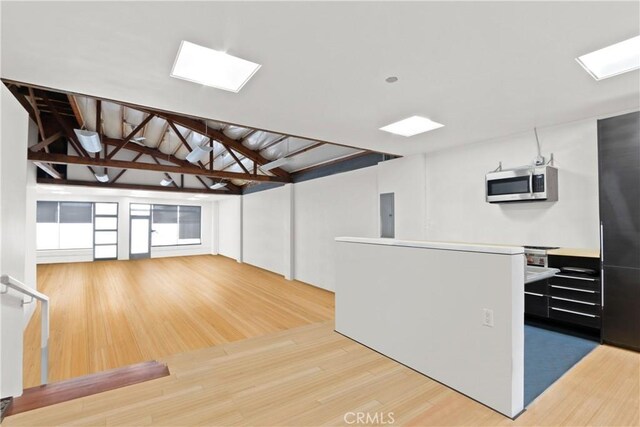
x,y
345,204
438,196
264,229
15,258
84,255
290,230
405,177
230,228
456,207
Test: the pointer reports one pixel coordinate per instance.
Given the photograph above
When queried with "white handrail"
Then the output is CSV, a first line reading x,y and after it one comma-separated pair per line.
x,y
16,285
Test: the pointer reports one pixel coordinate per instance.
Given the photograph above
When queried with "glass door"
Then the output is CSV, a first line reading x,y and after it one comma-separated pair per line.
x,y
139,231
105,231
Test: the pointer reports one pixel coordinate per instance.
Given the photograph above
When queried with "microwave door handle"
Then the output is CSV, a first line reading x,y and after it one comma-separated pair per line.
x,y
531,183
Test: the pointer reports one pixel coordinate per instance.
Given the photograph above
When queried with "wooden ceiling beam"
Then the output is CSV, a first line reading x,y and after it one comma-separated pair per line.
x,y
64,125
39,156
133,133
22,99
49,170
122,172
46,142
182,139
244,168
201,128
131,186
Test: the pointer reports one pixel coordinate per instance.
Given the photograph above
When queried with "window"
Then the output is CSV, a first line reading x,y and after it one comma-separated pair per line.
x,y
64,225
175,225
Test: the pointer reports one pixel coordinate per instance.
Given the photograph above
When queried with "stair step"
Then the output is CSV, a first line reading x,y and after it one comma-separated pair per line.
x,y
74,388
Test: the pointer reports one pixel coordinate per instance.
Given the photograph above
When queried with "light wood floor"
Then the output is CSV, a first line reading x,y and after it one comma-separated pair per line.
x,y
312,376
114,313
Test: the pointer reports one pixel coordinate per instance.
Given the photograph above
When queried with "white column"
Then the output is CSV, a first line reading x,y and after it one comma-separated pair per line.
x,y
240,231
215,227
289,219
13,250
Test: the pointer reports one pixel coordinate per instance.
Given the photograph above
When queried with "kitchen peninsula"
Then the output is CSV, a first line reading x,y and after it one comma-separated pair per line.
x,y
452,311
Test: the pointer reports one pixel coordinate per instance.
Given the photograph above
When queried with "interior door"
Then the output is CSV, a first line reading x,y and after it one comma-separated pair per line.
x,y
139,231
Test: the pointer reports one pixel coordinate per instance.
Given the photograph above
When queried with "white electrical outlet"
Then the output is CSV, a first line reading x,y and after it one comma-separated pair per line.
x,y
487,317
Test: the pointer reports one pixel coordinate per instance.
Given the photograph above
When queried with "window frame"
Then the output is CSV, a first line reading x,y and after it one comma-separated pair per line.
x,y
58,216
178,224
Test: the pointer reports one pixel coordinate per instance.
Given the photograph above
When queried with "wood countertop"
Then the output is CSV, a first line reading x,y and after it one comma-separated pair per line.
x,y
577,252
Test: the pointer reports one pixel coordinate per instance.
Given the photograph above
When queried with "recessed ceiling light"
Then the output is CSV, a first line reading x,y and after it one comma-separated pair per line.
x,y
391,79
213,68
612,60
411,126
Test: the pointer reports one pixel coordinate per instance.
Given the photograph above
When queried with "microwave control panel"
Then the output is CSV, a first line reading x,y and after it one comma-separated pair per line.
x,y
538,183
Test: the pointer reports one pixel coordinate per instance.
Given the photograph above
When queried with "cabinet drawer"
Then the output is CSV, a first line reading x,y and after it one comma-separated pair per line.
x,y
574,317
575,305
539,287
536,304
578,294
588,283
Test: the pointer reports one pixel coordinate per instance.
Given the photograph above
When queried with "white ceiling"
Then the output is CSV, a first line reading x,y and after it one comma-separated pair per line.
x,y
483,69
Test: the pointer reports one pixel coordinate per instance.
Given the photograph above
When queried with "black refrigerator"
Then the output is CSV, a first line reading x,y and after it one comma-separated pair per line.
x,y
619,185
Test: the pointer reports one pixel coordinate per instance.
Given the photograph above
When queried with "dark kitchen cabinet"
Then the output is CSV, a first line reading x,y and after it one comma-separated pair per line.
x,y
619,185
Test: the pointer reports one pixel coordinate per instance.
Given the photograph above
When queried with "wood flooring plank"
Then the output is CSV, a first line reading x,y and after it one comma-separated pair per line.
x,y
114,313
297,371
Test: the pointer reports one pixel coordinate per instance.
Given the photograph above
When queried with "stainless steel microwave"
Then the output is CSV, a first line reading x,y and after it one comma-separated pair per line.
x,y
522,184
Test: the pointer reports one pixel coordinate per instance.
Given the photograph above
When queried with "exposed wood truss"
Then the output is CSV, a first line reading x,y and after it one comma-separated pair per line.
x,y
147,139
197,126
126,164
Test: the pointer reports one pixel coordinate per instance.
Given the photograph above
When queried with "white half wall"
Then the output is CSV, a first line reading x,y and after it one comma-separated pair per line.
x,y
417,306
456,206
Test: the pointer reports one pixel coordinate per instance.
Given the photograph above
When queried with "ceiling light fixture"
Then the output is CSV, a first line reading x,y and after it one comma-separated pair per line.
x,y
213,68
275,164
411,126
391,79
612,60
166,182
218,185
102,177
89,140
198,153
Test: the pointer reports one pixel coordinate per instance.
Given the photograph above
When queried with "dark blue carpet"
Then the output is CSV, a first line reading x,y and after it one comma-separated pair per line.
x,y
547,356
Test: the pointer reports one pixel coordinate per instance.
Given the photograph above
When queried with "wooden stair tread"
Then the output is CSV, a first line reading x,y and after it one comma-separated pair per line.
x,y
74,388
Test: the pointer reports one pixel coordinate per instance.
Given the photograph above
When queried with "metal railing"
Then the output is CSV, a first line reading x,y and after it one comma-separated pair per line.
x,y
10,282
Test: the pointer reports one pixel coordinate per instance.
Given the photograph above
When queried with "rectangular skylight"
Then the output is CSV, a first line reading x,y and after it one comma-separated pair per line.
x,y
412,126
213,68
612,60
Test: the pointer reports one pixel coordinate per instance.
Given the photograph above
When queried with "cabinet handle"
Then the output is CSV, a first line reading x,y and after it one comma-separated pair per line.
x,y
574,300
601,264
588,279
574,312
534,294
573,289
